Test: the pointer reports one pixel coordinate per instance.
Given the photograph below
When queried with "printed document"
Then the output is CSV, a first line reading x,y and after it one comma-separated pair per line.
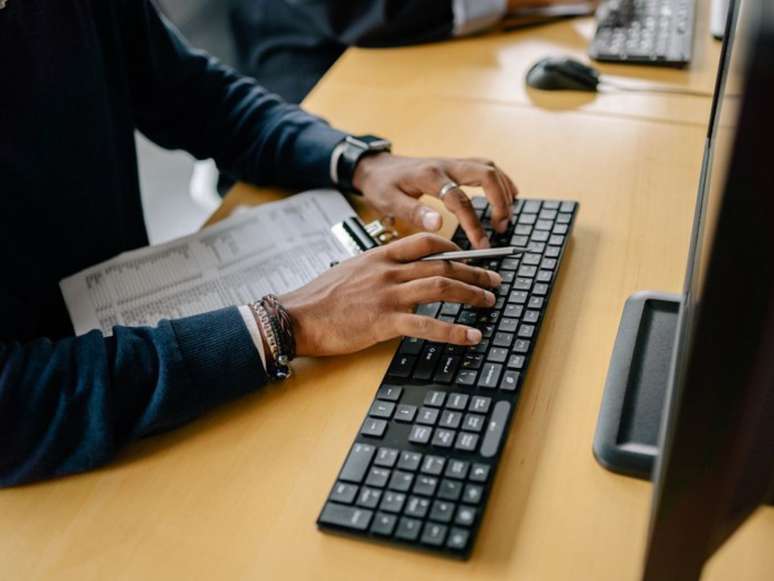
x,y
272,248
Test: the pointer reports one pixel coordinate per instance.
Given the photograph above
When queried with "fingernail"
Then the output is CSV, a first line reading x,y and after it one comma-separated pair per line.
x,y
496,279
490,298
431,220
484,243
473,336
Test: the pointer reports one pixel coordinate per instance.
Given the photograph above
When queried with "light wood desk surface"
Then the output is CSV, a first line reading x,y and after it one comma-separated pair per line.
x,y
235,495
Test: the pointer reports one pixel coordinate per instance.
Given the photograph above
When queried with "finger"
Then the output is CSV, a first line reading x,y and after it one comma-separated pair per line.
x,y
407,208
422,327
514,189
473,173
439,288
458,202
450,269
415,247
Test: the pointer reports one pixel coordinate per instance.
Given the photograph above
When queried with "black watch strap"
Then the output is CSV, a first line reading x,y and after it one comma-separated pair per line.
x,y
353,150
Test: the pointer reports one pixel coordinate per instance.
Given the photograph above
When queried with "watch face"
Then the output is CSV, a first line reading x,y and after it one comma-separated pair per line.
x,y
370,142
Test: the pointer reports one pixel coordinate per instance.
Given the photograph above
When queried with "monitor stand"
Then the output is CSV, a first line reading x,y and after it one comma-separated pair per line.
x,y
626,440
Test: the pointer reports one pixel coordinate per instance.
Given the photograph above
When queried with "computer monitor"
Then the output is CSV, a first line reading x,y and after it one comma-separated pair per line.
x,y
690,389
715,464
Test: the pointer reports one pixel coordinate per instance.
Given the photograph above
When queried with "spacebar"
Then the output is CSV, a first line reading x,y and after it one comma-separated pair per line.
x,y
495,429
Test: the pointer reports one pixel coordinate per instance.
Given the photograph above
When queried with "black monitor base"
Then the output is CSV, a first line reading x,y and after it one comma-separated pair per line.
x,y
626,440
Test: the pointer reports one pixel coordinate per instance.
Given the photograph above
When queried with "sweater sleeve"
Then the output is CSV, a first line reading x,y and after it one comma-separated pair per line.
x,y
184,98
70,405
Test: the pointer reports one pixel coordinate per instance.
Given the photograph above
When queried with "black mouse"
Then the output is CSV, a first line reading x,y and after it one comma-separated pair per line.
x,y
561,74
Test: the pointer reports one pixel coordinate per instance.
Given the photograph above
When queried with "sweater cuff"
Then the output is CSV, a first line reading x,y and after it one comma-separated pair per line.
x,y
316,145
220,356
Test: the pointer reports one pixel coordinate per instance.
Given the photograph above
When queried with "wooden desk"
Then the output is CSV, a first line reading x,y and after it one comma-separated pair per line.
x,y
235,495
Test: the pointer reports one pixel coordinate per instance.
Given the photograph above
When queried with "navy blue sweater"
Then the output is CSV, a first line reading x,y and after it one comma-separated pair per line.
x,y
77,77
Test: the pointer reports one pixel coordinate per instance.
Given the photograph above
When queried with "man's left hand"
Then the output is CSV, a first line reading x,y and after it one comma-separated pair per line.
x,y
393,185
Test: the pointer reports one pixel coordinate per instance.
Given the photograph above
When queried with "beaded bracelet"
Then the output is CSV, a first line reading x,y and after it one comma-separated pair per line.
x,y
276,329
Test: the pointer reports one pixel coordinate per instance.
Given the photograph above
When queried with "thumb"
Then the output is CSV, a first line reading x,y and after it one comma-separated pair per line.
x,y
408,209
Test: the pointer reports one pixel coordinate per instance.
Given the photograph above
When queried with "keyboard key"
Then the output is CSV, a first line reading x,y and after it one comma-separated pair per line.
x,y
420,434
408,529
411,346
510,380
393,501
548,264
384,524
544,276
473,361
531,206
389,392
466,377
521,346
343,492
466,516
458,539
386,457
374,428
548,213
480,203
480,404
513,311
544,225
409,460
531,317
563,218
540,289
425,485
503,339
402,365
516,362
505,326
435,398
495,429
401,481
473,423
457,401
346,516
433,534
405,413
443,438
531,259
433,465
479,472
522,284
425,365
357,462
457,469
452,309
447,369
467,317
556,240
518,297
518,240
509,264
561,229
490,375
378,477
417,507
427,416
381,409
527,271
466,442
450,489
450,419
526,331
369,497
483,347
472,493
535,303
550,205
442,511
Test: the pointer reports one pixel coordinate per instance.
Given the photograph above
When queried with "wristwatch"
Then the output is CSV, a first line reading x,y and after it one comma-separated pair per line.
x,y
352,150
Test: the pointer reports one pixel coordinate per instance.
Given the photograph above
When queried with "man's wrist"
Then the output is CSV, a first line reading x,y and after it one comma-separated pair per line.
x,y
363,169
348,155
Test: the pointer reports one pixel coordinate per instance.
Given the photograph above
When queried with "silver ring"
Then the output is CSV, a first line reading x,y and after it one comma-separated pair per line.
x,y
447,187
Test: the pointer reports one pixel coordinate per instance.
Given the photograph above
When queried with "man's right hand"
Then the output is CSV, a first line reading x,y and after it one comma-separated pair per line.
x,y
372,297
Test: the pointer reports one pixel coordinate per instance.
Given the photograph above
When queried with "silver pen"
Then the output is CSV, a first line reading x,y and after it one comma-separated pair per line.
x,y
475,254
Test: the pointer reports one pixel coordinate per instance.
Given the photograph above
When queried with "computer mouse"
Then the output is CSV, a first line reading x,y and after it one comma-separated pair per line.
x,y
562,74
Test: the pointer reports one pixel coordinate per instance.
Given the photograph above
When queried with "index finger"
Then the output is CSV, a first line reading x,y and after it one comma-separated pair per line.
x,y
485,175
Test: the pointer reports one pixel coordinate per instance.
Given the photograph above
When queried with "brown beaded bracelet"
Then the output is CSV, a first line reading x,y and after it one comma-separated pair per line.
x,y
277,331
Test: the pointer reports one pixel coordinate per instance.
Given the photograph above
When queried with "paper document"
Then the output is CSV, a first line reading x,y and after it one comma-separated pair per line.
x,y
272,248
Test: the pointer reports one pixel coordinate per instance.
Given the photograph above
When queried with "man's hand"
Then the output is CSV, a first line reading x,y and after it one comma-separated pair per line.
x,y
371,298
393,184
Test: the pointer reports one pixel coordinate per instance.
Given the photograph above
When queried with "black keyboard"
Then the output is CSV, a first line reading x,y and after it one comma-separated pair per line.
x,y
658,32
421,468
